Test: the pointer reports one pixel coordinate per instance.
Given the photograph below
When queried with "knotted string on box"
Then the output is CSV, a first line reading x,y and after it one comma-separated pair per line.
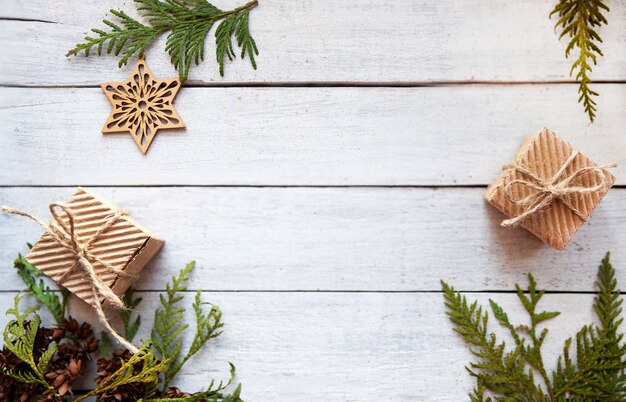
x,y
65,236
552,189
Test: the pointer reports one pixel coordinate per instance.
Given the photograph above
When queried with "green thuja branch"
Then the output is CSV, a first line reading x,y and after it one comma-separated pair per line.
x,y
188,22
151,367
495,369
41,292
608,308
42,362
599,368
596,373
578,20
207,327
131,325
169,327
19,337
213,393
478,393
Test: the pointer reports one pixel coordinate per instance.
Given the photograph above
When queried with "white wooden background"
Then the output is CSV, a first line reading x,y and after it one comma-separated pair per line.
x,y
326,194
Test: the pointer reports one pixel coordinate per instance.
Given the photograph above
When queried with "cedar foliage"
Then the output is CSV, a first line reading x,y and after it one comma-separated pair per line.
x,y
169,325
579,20
42,293
19,338
188,21
151,367
150,370
595,373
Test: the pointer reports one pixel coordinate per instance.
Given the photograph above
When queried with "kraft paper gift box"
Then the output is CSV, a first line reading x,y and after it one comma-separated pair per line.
x,y
550,189
109,237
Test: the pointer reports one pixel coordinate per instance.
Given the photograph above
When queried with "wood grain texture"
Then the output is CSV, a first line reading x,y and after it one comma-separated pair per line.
x,y
460,135
328,293
346,346
338,239
326,41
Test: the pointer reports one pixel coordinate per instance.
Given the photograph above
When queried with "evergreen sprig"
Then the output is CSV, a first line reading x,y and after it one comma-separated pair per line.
x,y
169,326
188,21
213,393
160,359
131,326
579,20
597,373
19,337
44,295
151,367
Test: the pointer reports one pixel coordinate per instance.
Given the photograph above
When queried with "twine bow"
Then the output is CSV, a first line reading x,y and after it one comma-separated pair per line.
x,y
65,235
551,189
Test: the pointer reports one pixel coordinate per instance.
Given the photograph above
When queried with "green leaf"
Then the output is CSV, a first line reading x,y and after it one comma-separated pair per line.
x,y
188,22
578,20
223,41
106,345
19,337
213,393
596,372
167,334
168,325
130,326
151,367
40,291
499,371
244,39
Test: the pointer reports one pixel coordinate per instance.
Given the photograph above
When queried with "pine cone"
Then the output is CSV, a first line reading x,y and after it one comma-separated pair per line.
x,y
75,344
126,393
12,390
71,357
173,392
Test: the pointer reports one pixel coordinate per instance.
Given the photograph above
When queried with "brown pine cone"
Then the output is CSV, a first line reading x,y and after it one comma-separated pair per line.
x,y
75,343
173,392
13,390
27,393
72,355
126,393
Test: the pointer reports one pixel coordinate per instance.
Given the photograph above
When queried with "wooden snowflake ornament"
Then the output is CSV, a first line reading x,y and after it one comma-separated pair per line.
x,y
142,106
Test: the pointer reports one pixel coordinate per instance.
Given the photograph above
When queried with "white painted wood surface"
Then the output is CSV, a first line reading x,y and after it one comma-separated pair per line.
x,y
339,239
323,217
303,347
303,136
328,41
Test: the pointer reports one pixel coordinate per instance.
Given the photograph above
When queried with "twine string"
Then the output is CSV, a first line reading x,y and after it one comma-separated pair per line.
x,y
554,188
65,235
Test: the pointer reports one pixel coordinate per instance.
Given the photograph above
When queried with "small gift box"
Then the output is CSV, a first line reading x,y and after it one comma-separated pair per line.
x,y
93,249
114,244
550,188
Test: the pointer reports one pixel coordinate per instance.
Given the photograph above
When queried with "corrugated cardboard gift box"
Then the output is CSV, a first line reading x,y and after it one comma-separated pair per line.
x,y
107,236
550,189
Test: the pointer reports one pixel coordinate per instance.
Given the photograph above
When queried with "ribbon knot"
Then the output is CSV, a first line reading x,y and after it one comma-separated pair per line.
x,y
65,235
554,188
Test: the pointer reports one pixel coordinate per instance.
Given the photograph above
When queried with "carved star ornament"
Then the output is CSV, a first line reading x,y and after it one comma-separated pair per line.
x,y
142,106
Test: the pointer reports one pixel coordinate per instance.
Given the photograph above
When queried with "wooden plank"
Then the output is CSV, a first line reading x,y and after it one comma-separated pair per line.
x,y
344,239
326,41
303,136
348,347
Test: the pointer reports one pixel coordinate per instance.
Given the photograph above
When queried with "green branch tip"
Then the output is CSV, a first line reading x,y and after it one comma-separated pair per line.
x,y
188,24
